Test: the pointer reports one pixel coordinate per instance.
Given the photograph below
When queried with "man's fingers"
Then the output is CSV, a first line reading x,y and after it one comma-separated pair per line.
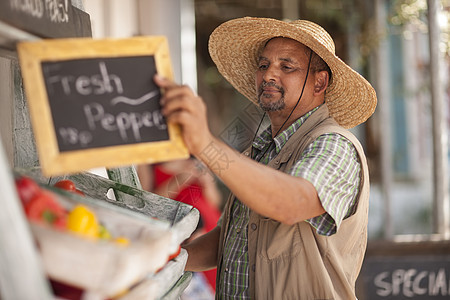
x,y
179,117
180,105
181,102
171,106
172,90
163,82
178,91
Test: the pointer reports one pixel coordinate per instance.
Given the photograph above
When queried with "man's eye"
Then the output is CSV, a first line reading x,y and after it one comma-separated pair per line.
x,y
263,67
288,68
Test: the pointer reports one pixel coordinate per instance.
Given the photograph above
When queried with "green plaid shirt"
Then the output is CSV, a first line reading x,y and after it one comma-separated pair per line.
x,y
330,163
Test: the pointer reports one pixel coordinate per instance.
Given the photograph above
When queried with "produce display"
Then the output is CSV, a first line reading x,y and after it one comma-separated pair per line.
x,y
41,206
83,244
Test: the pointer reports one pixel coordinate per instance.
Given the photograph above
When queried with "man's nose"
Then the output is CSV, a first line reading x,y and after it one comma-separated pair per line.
x,y
271,74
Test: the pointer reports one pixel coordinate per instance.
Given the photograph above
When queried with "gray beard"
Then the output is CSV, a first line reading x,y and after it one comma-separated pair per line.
x,y
272,106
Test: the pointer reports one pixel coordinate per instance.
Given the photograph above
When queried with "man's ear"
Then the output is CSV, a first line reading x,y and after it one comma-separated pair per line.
x,y
321,82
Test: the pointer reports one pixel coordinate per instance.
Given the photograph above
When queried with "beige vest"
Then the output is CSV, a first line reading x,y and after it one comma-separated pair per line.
x,y
294,262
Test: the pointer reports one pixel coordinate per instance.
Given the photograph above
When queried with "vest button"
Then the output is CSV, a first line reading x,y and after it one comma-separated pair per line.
x,y
253,226
238,230
246,153
226,270
277,162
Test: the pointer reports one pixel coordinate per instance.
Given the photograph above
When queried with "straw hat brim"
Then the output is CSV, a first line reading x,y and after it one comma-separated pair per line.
x,y
235,45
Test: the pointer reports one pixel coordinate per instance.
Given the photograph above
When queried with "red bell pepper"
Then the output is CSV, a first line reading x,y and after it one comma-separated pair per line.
x,y
27,188
43,208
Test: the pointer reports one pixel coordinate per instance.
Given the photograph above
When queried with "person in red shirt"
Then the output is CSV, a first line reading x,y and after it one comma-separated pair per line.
x,y
186,181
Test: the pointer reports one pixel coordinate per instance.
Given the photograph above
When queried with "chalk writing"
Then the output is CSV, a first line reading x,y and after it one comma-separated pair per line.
x,y
412,282
57,11
72,136
123,121
104,102
419,277
97,84
34,8
140,100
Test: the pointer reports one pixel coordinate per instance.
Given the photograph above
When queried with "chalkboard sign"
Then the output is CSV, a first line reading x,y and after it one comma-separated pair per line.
x,y
46,18
93,103
104,102
408,277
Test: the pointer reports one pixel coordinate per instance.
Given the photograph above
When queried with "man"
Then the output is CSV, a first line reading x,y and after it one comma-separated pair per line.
x,y
296,225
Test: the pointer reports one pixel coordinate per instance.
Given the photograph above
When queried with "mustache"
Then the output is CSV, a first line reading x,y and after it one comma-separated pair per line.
x,y
272,84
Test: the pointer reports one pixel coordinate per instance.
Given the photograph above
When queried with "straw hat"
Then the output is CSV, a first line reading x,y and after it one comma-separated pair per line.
x,y
235,45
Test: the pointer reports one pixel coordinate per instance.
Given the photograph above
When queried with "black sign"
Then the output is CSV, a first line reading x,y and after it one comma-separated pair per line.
x,y
46,18
103,102
409,277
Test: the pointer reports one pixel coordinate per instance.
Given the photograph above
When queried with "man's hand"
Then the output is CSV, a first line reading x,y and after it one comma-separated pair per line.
x,y
181,106
202,251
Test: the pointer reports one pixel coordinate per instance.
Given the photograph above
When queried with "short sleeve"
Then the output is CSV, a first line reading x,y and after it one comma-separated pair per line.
x,y
332,165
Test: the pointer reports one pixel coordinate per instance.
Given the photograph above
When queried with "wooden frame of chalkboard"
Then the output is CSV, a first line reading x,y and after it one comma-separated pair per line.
x,y
93,103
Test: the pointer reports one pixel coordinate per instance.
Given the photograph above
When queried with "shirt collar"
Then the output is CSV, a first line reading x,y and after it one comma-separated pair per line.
x,y
264,139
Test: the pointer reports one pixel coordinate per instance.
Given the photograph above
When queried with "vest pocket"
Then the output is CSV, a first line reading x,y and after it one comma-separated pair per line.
x,y
277,240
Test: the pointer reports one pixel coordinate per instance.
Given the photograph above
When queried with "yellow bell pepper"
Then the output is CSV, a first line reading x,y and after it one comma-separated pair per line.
x,y
122,241
82,221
